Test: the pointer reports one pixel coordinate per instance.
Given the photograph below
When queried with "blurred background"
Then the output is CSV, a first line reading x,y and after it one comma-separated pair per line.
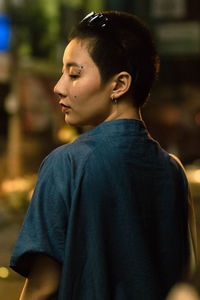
x,y
33,35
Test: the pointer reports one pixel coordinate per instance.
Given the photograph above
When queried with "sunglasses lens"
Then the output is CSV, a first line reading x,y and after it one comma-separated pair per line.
x,y
91,14
95,20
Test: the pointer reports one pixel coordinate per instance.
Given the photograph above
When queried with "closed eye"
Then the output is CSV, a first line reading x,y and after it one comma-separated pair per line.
x,y
73,76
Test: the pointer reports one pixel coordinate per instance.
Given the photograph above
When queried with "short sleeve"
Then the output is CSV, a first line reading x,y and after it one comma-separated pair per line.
x,y
45,225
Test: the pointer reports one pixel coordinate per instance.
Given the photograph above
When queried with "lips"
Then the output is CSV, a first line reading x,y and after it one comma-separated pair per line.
x,y
65,108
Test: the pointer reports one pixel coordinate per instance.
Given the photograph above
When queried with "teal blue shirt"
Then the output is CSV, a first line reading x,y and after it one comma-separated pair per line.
x,y
111,207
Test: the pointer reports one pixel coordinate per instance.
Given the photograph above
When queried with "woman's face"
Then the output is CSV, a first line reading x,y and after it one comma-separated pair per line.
x,y
84,99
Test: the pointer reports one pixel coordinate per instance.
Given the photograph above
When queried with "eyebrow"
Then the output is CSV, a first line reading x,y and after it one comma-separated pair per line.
x,y
72,64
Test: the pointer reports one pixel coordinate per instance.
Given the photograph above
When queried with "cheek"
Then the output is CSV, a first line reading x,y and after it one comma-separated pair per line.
x,y
86,90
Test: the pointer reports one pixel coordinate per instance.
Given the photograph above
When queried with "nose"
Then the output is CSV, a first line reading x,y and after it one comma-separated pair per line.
x,y
59,89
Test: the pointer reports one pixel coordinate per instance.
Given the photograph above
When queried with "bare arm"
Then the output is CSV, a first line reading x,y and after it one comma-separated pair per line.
x,y
43,280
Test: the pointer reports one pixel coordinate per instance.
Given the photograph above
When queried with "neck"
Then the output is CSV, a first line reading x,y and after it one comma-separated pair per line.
x,y
124,110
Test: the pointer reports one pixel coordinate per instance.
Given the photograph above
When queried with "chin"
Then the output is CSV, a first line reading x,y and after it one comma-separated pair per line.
x,y
71,121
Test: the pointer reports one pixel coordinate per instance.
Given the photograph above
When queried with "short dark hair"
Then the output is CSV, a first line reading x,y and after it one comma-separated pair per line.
x,y
120,41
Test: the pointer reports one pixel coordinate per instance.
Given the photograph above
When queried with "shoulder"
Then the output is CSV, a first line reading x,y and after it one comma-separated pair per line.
x,y
175,161
75,153
178,166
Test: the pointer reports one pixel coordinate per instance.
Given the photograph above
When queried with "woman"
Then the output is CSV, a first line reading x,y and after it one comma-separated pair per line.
x,y
108,217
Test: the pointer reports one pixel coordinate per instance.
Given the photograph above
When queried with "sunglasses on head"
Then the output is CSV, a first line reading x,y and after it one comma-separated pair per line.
x,y
95,19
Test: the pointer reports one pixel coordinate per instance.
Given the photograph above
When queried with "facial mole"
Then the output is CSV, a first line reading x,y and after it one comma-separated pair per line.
x,y
80,69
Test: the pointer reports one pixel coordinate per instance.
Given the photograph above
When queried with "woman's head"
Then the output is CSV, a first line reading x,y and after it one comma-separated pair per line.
x,y
110,56
117,42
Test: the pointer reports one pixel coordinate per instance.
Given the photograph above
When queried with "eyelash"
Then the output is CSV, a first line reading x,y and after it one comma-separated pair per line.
x,y
73,76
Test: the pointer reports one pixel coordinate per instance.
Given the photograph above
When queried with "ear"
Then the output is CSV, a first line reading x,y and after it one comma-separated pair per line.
x,y
121,84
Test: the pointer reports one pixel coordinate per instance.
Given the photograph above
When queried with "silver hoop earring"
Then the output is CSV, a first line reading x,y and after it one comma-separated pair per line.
x,y
114,100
